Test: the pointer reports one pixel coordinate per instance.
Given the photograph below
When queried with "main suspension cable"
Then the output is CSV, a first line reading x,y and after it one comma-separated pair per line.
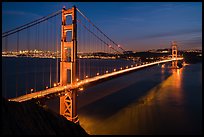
x,y
98,37
99,29
30,24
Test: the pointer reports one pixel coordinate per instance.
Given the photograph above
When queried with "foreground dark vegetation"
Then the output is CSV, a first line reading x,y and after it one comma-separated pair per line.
x,y
28,118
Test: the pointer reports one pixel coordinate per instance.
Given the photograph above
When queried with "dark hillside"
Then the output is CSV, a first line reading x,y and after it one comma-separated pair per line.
x,y
28,118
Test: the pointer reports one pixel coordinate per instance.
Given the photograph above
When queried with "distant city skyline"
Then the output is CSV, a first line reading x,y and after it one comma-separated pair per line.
x,y
137,26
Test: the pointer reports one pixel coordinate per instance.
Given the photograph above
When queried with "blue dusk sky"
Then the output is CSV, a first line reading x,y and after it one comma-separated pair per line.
x,y
136,26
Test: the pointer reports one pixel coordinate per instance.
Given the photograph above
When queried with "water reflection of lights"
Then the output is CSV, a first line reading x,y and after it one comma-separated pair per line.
x,y
170,87
185,64
159,100
162,71
177,75
178,72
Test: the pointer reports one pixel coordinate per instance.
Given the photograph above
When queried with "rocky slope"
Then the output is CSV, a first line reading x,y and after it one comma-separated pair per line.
x,y
28,118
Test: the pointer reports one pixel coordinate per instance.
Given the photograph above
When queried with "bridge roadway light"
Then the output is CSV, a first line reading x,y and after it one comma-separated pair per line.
x,y
77,79
121,68
97,74
55,85
126,66
107,71
87,76
78,83
114,70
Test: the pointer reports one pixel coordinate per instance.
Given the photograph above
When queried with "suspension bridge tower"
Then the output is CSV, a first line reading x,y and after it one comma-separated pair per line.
x,y
68,65
174,54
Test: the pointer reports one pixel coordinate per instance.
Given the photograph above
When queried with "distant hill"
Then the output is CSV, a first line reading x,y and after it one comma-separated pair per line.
x,y
28,118
192,57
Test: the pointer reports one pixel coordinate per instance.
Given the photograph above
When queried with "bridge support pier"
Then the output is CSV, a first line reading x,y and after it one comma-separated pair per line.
x,y
174,64
68,105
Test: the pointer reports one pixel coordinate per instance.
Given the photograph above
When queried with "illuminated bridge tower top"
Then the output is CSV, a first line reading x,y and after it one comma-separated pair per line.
x,y
174,49
174,54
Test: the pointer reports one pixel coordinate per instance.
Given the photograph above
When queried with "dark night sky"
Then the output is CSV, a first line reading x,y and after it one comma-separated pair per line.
x,y
135,25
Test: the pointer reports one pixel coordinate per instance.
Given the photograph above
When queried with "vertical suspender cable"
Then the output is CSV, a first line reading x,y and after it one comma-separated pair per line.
x,y
5,71
84,50
91,51
50,53
36,39
101,44
26,80
40,41
43,60
104,61
17,65
47,59
56,52
97,52
101,50
89,39
85,59
107,56
79,50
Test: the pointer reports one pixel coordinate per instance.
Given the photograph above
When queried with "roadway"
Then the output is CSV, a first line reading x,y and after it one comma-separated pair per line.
x,y
58,89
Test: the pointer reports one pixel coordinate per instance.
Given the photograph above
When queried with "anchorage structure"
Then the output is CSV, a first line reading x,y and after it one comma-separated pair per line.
x,y
68,106
174,54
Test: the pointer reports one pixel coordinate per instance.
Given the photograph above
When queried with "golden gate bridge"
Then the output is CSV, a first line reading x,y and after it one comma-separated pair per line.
x,y
76,41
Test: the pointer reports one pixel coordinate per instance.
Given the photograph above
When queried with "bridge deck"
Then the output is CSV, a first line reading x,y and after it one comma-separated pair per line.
x,y
84,82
